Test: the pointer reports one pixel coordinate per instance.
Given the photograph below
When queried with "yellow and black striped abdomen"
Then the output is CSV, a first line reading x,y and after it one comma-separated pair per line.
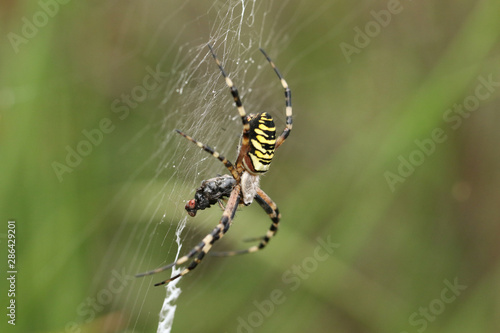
x,y
262,142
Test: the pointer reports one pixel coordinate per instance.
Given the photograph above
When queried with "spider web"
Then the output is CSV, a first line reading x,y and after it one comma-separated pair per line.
x,y
195,99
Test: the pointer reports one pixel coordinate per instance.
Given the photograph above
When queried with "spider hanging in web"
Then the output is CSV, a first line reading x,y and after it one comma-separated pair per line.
x,y
256,151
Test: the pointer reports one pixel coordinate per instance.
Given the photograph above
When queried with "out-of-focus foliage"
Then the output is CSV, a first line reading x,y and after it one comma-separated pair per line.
x,y
388,184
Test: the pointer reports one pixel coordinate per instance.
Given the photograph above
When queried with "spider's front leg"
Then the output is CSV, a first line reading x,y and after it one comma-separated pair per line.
x,y
272,210
200,250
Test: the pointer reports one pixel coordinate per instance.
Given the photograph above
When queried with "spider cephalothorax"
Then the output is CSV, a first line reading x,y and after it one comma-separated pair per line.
x,y
256,161
255,153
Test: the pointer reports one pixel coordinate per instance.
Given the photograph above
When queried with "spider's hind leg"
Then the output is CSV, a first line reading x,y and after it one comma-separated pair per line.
x,y
234,91
288,102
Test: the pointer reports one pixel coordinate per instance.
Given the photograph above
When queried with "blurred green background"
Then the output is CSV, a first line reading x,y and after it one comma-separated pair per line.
x,y
393,158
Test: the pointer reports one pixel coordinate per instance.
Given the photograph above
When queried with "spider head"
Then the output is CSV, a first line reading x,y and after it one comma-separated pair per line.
x,y
262,142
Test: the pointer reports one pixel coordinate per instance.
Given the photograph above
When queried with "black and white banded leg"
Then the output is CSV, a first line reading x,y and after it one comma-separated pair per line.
x,y
272,210
200,250
288,103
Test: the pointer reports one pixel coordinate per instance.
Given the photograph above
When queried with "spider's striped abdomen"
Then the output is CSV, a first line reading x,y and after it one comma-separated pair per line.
x,y
262,142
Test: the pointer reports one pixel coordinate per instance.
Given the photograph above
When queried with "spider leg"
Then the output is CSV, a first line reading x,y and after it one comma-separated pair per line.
x,y
211,151
221,204
206,244
234,92
288,103
245,137
272,210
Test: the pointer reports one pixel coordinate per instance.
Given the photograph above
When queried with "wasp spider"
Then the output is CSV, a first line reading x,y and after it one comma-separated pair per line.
x,y
256,151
